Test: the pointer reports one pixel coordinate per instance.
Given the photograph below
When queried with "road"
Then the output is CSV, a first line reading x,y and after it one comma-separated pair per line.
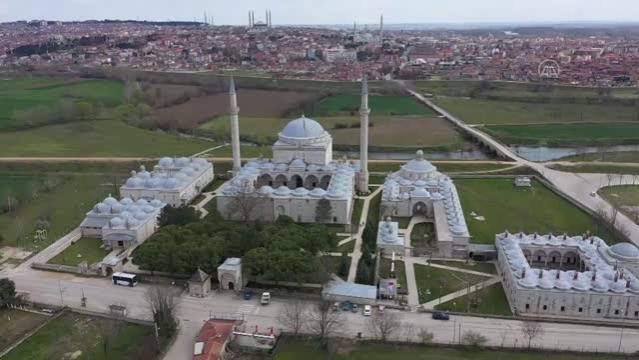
x,y
576,186
66,289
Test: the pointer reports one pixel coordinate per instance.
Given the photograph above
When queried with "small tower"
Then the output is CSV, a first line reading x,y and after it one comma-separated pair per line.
x,y
364,111
234,112
381,28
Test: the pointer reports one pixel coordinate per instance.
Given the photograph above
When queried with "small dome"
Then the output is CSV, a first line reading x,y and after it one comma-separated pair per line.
x,y
140,215
101,208
298,163
182,162
303,128
117,208
156,203
418,164
266,190
419,193
144,175
317,192
148,209
282,191
134,183
141,202
625,250
172,183
116,222
166,162
110,201
126,201
300,191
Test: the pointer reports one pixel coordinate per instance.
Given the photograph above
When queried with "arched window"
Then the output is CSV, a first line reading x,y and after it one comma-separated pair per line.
x,y
326,179
264,180
281,180
296,181
311,182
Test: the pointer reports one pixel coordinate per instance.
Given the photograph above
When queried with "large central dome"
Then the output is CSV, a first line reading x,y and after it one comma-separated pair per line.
x,y
303,128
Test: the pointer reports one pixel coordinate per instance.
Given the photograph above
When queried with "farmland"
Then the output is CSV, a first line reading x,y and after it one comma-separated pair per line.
x,y
27,93
96,138
379,105
585,133
198,110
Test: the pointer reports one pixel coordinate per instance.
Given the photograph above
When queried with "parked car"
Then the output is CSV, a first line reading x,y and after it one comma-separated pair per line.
x,y
347,306
266,298
440,315
367,310
355,308
248,295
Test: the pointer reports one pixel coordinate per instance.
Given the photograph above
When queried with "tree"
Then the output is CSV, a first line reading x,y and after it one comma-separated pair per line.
x,y
178,215
324,211
323,321
344,265
531,330
383,326
474,339
242,207
7,292
163,303
293,316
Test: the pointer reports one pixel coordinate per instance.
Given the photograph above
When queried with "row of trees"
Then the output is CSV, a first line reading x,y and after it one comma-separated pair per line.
x,y
63,111
279,251
366,266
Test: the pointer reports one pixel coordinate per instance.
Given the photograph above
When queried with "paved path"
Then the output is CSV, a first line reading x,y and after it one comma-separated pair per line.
x,y
357,251
422,261
459,293
208,196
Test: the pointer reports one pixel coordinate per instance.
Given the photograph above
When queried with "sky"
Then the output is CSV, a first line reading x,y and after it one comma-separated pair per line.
x,y
313,12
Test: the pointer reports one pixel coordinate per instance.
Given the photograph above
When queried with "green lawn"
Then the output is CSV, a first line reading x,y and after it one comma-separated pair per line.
x,y
97,138
400,271
64,207
623,197
423,235
485,267
295,349
585,133
357,211
73,332
348,247
506,207
488,300
597,168
496,112
433,283
88,249
401,221
386,105
26,93
14,324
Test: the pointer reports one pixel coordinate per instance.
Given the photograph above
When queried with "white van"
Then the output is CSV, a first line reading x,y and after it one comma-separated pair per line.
x,y
266,298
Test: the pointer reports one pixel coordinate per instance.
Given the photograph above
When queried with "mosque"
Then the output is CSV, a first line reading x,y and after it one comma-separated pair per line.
x,y
569,276
418,189
300,179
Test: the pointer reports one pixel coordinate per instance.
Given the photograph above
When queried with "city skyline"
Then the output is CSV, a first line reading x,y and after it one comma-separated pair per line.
x,y
329,12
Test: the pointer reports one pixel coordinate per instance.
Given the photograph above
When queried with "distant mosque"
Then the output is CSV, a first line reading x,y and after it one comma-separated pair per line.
x,y
302,180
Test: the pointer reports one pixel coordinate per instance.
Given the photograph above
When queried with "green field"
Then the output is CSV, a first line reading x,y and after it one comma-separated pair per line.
x,y
16,324
379,105
95,338
63,207
388,132
485,267
622,197
566,134
612,156
26,93
497,112
506,207
20,188
521,91
96,138
433,283
295,349
597,168
489,300
88,249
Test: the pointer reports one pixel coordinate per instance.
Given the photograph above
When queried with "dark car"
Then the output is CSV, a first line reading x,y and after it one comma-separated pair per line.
x,y
248,295
440,315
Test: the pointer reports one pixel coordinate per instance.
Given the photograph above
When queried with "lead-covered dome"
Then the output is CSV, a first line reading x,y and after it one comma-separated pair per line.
x,y
624,250
419,164
303,128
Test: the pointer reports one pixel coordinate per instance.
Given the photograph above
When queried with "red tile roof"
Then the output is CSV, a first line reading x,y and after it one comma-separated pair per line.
x,y
214,334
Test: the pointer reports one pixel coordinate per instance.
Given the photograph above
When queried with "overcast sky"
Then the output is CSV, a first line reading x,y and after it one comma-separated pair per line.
x,y
327,11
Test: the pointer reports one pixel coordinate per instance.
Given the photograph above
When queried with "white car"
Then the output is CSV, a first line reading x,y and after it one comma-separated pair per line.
x,y
367,310
593,194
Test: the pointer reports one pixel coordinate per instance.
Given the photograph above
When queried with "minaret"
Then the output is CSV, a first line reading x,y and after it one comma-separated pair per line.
x,y
234,112
381,28
364,111
249,23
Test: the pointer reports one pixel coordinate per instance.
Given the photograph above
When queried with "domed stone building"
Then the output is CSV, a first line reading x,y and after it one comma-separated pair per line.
x,y
301,181
569,276
419,189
